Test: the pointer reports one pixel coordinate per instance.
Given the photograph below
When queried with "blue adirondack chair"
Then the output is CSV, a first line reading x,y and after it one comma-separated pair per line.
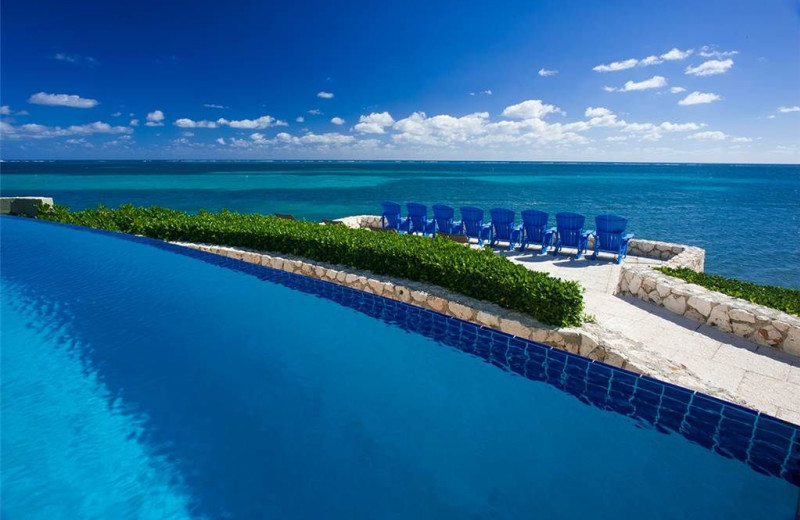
x,y
472,224
609,236
444,222
390,217
418,219
535,230
502,227
570,232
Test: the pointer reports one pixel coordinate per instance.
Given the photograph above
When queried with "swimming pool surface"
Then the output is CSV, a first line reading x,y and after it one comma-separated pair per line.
x,y
140,380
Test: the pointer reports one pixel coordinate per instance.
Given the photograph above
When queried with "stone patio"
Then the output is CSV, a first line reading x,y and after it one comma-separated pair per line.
x,y
763,377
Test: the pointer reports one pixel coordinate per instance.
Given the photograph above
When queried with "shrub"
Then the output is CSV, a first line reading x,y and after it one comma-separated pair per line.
x,y
480,274
781,298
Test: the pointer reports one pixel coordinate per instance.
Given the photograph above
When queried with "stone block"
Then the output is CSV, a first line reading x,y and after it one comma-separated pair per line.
x,y
25,206
675,303
701,305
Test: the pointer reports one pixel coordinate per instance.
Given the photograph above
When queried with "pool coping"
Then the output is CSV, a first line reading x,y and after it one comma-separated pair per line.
x,y
695,408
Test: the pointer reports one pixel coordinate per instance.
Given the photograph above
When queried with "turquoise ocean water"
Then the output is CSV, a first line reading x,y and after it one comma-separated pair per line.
x,y
747,217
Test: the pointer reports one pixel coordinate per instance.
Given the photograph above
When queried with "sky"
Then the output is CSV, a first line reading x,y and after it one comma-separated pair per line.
x,y
644,81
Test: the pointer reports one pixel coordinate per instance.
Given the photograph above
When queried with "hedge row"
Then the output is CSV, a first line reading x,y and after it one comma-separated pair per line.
x,y
781,298
480,274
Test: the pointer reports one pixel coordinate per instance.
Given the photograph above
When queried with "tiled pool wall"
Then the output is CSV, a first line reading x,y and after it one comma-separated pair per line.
x,y
767,444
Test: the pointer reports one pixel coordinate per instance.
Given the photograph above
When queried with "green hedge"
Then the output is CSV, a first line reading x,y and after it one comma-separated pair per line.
x,y
479,274
781,298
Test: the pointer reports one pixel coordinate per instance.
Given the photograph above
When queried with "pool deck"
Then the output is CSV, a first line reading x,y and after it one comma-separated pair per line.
x,y
763,377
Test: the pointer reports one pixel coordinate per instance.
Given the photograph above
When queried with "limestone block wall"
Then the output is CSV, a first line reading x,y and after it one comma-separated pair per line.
x,y
757,323
22,205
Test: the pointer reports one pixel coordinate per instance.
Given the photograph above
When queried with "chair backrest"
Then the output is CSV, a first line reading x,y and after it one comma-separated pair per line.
x,y
418,213
443,215
502,222
535,223
391,215
472,219
570,227
609,231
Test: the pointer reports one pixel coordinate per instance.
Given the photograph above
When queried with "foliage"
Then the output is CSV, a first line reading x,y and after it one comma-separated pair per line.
x,y
480,274
781,298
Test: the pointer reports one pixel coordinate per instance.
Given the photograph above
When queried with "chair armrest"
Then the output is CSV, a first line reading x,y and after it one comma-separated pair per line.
x,y
551,230
588,233
628,236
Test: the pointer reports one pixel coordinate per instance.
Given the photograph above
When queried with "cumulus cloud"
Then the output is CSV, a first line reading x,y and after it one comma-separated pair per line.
x,y
155,118
650,60
189,123
221,140
616,65
5,110
530,109
697,98
741,140
134,122
786,110
252,124
710,68
337,120
676,54
677,90
708,136
315,112
36,131
211,105
324,95
654,82
374,123
545,73
486,92
300,119
64,100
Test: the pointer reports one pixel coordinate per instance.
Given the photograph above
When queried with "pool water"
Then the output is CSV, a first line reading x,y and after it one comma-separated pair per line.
x,y
144,381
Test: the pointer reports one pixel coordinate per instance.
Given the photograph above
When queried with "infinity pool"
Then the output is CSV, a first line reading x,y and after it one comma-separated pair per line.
x,y
140,380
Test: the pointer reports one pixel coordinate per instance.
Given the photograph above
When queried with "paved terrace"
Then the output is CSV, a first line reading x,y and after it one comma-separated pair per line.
x,y
763,377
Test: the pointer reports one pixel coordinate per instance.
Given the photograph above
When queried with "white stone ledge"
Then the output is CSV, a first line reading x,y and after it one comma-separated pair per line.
x,y
590,340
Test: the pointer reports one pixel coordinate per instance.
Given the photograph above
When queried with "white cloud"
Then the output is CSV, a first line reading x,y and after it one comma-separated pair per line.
x,y
741,140
650,60
155,118
36,131
610,89
530,109
697,98
709,51
76,59
315,112
64,100
188,123
324,95
116,114
211,105
187,134
545,73
5,110
300,119
134,122
252,124
786,110
337,120
710,67
708,136
617,65
486,92
375,123
676,54
654,82
772,116
221,141
677,90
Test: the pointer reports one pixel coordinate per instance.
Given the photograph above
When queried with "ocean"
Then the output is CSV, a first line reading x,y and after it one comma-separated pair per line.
x,y
747,217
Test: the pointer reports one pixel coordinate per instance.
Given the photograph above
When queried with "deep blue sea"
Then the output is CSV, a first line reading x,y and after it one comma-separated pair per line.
x,y
131,391
747,217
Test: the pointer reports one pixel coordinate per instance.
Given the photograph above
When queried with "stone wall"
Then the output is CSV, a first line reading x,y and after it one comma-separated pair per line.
x,y
589,340
757,323
25,206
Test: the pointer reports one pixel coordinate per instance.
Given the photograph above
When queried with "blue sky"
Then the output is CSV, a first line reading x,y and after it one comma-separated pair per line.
x,y
684,81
